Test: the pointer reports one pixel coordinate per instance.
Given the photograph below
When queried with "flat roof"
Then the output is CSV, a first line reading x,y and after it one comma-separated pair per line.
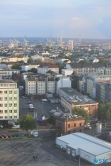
x,y
7,81
87,143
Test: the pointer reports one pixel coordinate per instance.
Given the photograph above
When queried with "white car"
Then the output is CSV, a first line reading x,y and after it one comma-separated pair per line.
x,y
16,127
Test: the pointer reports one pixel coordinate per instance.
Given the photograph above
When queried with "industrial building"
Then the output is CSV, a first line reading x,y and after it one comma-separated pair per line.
x,y
89,148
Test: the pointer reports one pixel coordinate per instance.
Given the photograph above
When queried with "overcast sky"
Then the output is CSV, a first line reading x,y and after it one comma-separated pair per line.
x,y
41,18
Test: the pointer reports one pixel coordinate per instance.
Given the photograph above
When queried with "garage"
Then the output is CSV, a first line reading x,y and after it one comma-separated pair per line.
x,y
86,147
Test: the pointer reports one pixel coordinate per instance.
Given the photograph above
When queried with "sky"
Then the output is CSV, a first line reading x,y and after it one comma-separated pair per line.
x,y
43,18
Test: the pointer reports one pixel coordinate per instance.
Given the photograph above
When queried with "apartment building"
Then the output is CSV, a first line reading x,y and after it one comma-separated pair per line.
x,y
86,68
42,69
103,91
91,84
70,98
39,85
9,101
70,124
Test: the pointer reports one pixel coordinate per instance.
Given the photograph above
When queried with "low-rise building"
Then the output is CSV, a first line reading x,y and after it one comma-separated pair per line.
x,y
69,124
26,67
42,69
70,98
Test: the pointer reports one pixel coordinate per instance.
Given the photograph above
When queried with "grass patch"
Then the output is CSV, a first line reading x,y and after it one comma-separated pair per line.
x,y
15,138
14,130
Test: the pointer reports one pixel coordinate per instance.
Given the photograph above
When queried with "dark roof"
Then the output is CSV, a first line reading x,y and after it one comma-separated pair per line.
x,y
69,118
86,65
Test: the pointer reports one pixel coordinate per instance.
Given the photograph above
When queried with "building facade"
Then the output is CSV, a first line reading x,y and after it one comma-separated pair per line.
x,y
70,124
9,100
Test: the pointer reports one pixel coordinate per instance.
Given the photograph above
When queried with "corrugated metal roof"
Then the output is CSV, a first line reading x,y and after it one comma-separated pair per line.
x,y
87,143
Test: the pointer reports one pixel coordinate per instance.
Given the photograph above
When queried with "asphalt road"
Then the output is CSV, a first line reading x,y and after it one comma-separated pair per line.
x,y
41,108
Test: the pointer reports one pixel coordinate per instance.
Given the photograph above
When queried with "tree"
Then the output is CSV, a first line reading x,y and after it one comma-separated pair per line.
x,y
104,112
30,60
61,66
51,120
34,70
81,112
27,123
16,66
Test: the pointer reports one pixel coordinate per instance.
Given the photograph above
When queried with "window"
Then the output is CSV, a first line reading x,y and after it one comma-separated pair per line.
x,y
74,131
10,105
5,117
1,117
10,92
5,105
68,125
74,124
10,111
15,92
80,124
5,111
5,92
15,105
1,92
1,98
15,116
15,111
1,111
10,117
1,105
10,98
5,98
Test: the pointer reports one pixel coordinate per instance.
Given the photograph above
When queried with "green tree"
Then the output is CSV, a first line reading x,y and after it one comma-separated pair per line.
x,y
16,66
30,60
81,112
84,61
74,83
51,120
61,66
104,112
34,70
27,123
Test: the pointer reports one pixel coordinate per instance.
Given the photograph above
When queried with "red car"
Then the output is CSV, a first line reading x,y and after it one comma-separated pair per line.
x,y
5,136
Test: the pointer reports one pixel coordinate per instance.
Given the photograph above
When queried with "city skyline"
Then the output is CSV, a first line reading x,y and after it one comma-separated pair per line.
x,y
44,18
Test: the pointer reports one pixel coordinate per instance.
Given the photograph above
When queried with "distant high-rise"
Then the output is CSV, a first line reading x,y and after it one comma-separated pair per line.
x,y
70,45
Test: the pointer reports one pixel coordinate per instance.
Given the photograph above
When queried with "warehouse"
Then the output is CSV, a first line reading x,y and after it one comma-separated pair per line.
x,y
86,147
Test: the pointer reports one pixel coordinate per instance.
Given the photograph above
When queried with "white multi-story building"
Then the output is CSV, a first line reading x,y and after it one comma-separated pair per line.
x,y
9,101
67,72
27,67
62,82
43,69
51,85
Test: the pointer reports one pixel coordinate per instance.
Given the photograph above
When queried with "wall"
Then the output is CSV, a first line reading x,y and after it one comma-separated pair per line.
x,y
87,156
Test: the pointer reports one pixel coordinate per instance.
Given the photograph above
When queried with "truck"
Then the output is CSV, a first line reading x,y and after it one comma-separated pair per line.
x,y
34,133
31,107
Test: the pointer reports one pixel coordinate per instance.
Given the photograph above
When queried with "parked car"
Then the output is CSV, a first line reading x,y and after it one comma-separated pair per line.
x,y
5,136
1,136
24,97
29,102
16,127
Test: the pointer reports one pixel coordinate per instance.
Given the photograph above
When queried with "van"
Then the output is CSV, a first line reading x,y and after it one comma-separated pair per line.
x,y
34,133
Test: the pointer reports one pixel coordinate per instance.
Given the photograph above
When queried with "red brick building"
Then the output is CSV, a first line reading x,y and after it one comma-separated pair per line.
x,y
67,125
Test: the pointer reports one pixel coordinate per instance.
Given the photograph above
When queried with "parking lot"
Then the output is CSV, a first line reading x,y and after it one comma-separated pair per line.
x,y
21,152
41,108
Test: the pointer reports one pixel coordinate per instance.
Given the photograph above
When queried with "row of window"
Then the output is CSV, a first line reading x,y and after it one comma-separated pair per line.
x,y
10,111
10,92
10,105
74,125
10,117
9,98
